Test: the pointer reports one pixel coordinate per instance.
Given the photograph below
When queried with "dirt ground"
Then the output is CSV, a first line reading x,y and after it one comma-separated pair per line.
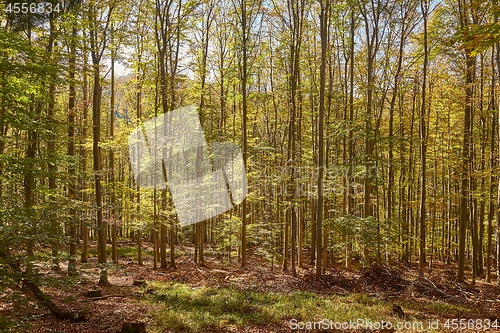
x,y
121,301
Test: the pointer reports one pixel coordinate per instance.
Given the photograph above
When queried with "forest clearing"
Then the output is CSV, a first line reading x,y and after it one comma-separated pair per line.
x,y
249,166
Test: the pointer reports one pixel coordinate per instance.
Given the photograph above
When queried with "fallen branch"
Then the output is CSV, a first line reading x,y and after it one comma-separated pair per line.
x,y
53,308
430,286
103,297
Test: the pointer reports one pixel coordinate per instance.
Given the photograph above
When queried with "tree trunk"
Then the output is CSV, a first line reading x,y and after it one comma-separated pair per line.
x,y
83,156
244,78
493,166
98,40
51,151
497,61
464,189
350,188
138,110
53,308
71,153
114,221
325,11
423,145
96,119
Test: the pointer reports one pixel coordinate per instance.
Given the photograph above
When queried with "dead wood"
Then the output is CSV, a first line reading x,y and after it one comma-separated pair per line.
x,y
53,308
105,297
94,293
133,328
139,283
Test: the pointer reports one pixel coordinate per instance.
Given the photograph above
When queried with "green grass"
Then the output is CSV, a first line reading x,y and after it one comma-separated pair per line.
x,y
64,283
126,251
441,309
180,307
45,255
184,308
5,323
131,252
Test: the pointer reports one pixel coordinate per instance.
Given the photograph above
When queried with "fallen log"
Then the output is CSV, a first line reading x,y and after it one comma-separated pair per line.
x,y
139,283
53,308
103,297
94,293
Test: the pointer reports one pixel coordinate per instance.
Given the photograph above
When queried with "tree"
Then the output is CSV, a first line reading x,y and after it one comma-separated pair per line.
x,y
350,138
497,62
113,220
98,31
324,15
247,12
208,15
51,145
424,6
464,22
71,150
491,210
406,18
292,20
83,151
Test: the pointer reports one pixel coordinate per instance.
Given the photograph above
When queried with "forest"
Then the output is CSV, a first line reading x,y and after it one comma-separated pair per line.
x,y
364,136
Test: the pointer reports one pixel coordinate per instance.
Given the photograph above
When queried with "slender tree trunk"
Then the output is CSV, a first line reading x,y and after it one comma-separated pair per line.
x,y
493,166
114,236
98,45
497,62
51,151
325,11
138,188
372,46
464,189
4,247
369,146
160,245
350,188
29,187
244,78
163,245
286,237
96,118
161,44
423,145
83,155
207,23
71,153
464,11
482,205
172,245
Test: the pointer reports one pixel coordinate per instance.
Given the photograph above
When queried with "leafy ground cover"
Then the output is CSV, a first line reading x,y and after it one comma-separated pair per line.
x,y
223,297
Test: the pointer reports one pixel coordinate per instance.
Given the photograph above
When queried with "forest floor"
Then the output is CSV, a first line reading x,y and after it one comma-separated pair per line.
x,y
223,297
